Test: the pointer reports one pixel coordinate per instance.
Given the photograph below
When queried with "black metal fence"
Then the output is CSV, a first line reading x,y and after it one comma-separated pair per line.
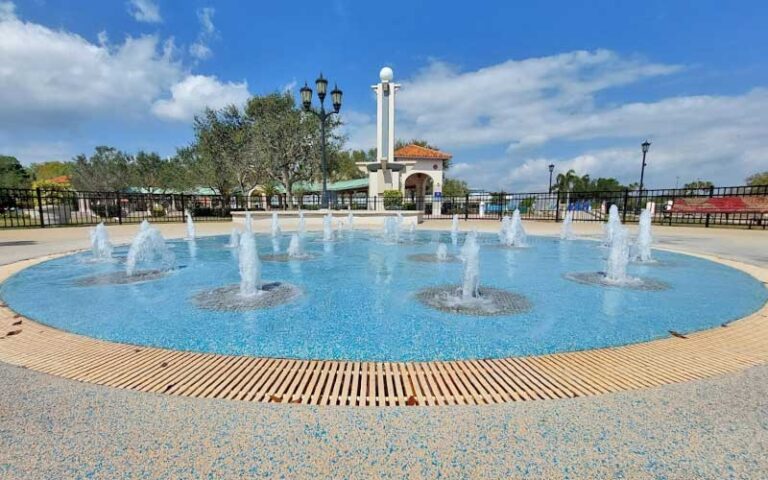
x,y
743,206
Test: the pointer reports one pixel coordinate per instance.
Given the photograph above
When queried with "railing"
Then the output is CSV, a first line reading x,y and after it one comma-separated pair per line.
x,y
743,206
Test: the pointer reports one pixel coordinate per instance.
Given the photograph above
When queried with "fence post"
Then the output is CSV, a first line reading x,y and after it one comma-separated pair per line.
x,y
557,207
626,199
711,194
119,208
466,207
40,207
183,205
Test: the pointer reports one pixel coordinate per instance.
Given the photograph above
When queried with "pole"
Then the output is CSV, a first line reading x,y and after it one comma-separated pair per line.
x,y
557,207
550,181
642,174
626,200
119,209
466,206
325,164
40,207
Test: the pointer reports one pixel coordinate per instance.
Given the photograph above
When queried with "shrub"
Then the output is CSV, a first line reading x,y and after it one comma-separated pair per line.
x,y
202,211
157,211
393,199
107,210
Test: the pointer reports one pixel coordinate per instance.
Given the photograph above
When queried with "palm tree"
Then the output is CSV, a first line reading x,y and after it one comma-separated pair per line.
x,y
566,181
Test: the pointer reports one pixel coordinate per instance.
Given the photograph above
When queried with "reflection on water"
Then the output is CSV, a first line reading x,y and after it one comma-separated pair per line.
x,y
613,300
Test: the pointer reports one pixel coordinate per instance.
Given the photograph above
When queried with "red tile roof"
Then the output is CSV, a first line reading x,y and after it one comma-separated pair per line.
x,y
417,151
63,179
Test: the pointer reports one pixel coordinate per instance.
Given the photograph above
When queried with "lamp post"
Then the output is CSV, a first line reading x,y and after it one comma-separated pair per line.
x,y
645,146
551,169
321,84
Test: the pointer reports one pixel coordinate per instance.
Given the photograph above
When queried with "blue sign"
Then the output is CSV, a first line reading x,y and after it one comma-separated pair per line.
x,y
438,195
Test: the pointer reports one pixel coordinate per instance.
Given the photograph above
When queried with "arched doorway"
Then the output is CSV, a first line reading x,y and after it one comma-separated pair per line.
x,y
417,187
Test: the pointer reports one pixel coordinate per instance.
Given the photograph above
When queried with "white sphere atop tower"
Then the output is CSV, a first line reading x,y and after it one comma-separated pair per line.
x,y
386,74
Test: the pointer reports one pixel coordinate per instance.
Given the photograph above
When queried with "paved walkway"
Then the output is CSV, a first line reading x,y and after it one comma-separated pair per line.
x,y
56,428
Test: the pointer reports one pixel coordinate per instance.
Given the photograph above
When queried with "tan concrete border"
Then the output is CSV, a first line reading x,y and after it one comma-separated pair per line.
x,y
717,351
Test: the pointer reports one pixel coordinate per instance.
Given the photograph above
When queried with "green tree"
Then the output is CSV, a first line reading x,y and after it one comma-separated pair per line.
x,y
148,172
757,179
342,165
606,185
12,173
284,143
698,185
108,169
566,182
454,188
219,158
572,182
48,170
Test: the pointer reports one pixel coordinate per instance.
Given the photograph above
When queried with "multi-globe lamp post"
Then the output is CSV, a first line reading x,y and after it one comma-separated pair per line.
x,y
321,84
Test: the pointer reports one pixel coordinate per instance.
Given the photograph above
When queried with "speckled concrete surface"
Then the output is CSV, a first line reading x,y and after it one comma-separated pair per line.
x,y
712,429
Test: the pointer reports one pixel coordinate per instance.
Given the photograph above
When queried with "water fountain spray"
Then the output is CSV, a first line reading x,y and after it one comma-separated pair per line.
x,y
250,266
566,232
328,233
294,247
248,222
275,225
148,245
618,257
512,233
614,223
100,244
234,239
302,226
470,255
442,252
190,226
644,238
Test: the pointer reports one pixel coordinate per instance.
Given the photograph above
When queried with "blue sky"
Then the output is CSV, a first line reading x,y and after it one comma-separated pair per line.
x,y
507,88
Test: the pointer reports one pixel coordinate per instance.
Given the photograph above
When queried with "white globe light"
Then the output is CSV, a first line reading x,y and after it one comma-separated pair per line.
x,y
386,74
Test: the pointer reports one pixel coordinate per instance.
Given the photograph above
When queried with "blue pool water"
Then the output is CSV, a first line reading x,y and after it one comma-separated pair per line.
x,y
358,301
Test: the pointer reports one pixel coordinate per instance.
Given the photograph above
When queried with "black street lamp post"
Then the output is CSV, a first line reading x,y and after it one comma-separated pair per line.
x,y
551,169
645,146
306,99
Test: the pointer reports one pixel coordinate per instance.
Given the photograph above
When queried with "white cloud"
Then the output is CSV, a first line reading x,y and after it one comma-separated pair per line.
x,y
103,38
360,129
191,95
58,80
53,77
145,11
289,87
200,49
525,102
554,103
7,11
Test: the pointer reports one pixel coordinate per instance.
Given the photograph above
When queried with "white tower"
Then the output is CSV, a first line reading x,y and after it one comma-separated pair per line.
x,y
385,117
384,174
